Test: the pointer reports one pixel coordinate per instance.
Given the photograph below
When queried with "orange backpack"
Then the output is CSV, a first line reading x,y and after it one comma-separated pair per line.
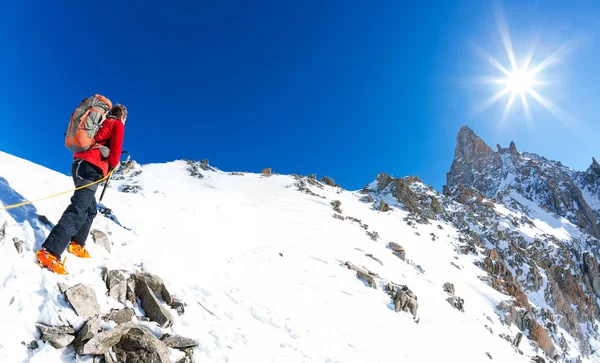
x,y
85,122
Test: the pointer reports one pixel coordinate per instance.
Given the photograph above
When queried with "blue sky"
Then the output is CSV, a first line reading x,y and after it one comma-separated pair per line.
x,y
344,89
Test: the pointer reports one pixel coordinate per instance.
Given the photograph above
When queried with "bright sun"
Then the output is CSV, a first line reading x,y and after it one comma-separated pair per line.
x,y
520,81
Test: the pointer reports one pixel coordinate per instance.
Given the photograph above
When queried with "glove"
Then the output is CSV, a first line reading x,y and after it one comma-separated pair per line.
x,y
113,168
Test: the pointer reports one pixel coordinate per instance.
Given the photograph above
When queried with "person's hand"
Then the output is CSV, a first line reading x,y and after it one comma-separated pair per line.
x,y
113,168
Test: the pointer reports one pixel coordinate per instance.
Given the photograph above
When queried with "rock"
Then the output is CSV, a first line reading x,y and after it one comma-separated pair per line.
x,y
374,235
398,250
139,345
406,300
103,341
87,332
592,271
266,171
153,308
375,258
180,307
84,301
338,216
367,199
18,245
156,284
120,316
120,286
362,274
63,287
489,355
383,207
3,230
383,180
538,359
449,288
101,239
518,339
539,335
336,206
456,302
58,337
31,345
178,342
328,181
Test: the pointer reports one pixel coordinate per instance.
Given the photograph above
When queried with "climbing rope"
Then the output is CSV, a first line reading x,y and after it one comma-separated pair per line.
x,y
54,195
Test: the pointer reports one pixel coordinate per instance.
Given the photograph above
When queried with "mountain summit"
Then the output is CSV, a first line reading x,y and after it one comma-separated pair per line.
x,y
567,193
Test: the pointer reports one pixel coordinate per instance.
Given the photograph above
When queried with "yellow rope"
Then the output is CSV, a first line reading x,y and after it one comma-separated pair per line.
x,y
54,195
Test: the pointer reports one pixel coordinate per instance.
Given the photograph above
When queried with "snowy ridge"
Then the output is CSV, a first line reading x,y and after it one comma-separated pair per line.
x,y
260,266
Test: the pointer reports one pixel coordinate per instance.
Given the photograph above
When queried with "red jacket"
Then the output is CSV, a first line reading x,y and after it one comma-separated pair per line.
x,y
110,135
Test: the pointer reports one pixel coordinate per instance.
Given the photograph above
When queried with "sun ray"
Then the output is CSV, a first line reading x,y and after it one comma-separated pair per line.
x,y
490,80
509,103
505,35
560,114
491,60
552,58
493,99
526,109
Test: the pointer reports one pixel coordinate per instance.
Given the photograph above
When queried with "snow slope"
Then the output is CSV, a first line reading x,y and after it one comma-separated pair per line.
x,y
259,265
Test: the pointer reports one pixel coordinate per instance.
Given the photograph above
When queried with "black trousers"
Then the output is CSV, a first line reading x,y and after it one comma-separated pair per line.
x,y
76,221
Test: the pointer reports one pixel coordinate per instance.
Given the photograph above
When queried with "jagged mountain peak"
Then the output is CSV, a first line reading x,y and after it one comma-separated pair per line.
x,y
567,193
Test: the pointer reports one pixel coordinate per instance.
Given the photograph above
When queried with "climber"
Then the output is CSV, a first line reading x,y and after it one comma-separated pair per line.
x,y
92,165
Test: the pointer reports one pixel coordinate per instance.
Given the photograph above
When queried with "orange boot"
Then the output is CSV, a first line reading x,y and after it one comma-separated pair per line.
x,y
47,260
78,250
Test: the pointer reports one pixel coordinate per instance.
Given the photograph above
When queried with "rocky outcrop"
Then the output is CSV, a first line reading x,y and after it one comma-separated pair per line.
x,y
328,181
554,187
139,345
398,250
475,164
404,299
195,167
591,270
336,206
383,207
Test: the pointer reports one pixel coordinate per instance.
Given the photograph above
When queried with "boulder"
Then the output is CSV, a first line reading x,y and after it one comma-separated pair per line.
x,y
58,336
449,288
266,171
87,332
103,341
84,301
406,300
336,206
457,303
122,316
398,250
120,286
382,206
18,245
363,274
156,284
101,239
139,345
178,342
151,305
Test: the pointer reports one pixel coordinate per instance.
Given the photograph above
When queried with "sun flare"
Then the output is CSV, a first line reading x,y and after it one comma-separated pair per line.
x,y
519,81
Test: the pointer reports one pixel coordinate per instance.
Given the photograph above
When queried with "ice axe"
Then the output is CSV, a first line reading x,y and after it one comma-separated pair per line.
x,y
110,175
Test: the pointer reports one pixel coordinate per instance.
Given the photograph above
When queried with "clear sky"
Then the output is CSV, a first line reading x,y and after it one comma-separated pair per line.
x,y
337,88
